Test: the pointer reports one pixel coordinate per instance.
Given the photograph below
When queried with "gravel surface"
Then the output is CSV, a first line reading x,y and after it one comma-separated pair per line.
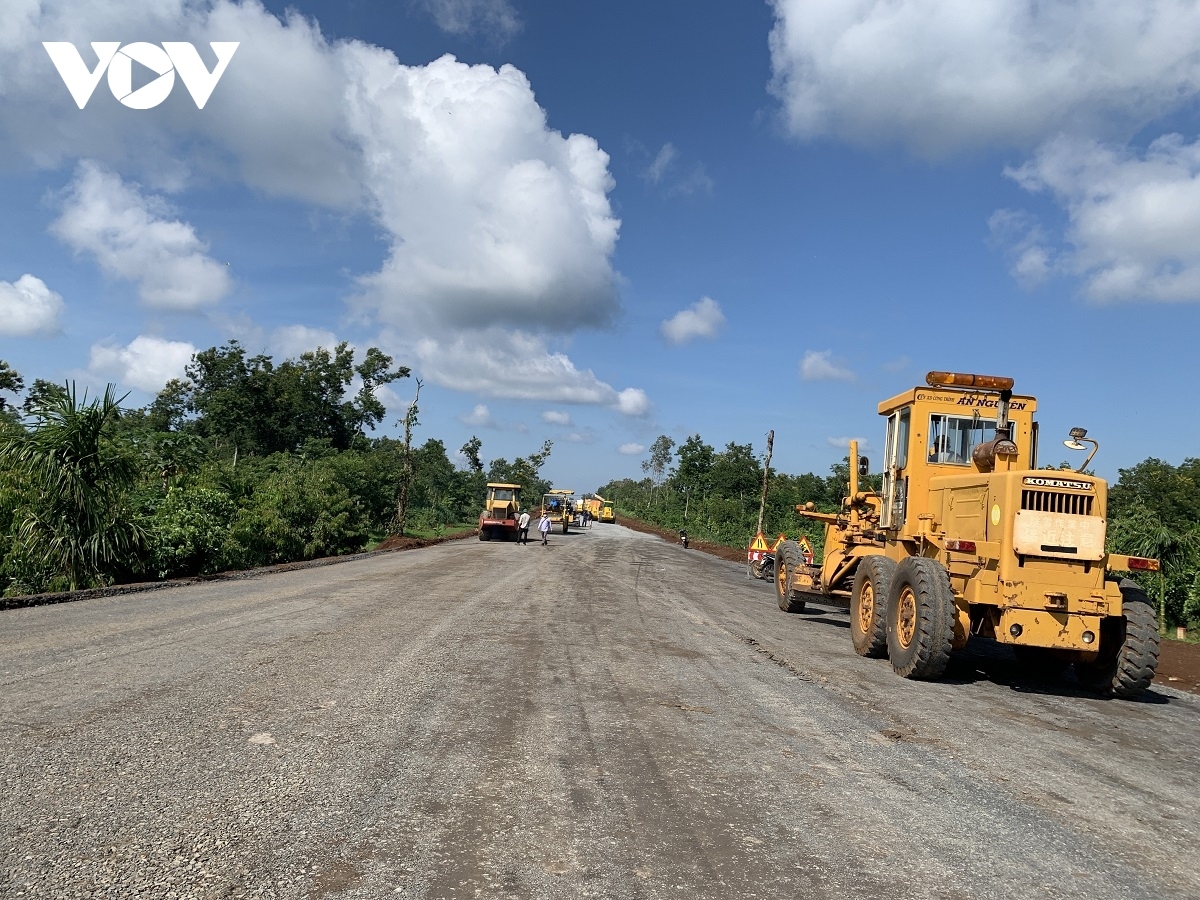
x,y
609,717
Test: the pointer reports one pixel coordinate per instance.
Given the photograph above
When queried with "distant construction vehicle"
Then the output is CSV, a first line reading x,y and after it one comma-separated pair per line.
x,y
969,538
592,506
559,506
606,512
498,521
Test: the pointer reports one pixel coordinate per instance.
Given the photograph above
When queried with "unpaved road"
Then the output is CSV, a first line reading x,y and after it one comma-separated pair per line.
x,y
612,716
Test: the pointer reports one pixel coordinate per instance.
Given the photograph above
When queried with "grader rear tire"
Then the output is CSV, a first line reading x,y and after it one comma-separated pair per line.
x,y
787,558
1128,648
868,606
920,618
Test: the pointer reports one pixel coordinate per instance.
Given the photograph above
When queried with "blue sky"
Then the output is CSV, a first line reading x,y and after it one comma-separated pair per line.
x,y
597,223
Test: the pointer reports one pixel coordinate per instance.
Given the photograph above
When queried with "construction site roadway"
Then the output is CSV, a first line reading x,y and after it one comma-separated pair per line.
x,y
611,716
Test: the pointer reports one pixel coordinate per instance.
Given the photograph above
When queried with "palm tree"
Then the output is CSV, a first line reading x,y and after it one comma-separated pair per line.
x,y
1145,534
76,527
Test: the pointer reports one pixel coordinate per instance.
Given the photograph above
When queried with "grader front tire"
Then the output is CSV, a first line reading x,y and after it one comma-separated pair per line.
x,y
787,558
920,618
1128,648
868,606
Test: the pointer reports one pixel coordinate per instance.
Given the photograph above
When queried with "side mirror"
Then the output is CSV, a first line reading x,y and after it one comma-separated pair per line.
x,y
864,466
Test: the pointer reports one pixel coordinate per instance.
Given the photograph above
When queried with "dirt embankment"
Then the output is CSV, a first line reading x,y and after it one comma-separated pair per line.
x,y
1178,662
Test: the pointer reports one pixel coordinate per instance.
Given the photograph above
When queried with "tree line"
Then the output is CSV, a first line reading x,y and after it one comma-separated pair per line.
x,y
247,461
244,462
1153,509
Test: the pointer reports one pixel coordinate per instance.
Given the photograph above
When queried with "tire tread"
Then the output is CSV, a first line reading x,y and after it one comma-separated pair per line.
x,y
929,653
787,558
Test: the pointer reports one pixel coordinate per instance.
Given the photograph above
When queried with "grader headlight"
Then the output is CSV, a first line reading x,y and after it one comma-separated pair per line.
x,y
960,379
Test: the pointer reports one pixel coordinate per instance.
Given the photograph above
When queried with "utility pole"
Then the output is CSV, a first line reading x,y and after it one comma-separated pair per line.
x,y
410,420
762,505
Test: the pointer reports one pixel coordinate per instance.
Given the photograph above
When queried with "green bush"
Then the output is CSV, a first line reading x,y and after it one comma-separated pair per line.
x,y
300,511
187,531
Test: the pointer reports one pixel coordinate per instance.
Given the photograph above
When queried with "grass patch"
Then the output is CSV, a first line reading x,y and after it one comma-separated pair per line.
x,y
1193,636
427,533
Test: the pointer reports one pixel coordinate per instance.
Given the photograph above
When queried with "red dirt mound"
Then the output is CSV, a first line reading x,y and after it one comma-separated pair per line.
x,y
395,542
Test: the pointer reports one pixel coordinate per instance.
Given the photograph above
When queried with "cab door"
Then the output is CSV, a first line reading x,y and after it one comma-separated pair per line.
x,y
895,482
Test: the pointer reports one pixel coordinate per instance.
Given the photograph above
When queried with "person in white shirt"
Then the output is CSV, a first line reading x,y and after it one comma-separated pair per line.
x,y
523,528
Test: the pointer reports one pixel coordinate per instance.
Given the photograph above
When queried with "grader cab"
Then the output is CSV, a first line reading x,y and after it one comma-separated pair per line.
x,y
969,538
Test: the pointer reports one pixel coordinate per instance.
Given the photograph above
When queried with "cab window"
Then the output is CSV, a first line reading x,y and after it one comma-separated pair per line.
x,y
902,440
952,438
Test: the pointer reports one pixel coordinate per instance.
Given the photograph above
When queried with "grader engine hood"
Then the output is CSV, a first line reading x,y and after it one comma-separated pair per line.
x,y
1038,514
1058,518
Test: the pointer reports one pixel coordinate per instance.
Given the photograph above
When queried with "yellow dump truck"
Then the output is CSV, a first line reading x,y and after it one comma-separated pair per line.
x,y
498,521
559,505
968,538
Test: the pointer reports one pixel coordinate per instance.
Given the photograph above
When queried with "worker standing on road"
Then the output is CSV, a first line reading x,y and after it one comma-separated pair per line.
x,y
544,528
523,527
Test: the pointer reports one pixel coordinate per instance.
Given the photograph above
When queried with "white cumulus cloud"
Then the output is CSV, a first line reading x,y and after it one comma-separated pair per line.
x,y
479,417
1133,218
291,341
631,449
557,417
132,236
818,365
518,366
703,319
146,362
939,75
28,307
492,220
1025,242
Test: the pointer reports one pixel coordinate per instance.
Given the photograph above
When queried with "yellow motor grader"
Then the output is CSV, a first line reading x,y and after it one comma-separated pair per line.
x,y
559,506
969,538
